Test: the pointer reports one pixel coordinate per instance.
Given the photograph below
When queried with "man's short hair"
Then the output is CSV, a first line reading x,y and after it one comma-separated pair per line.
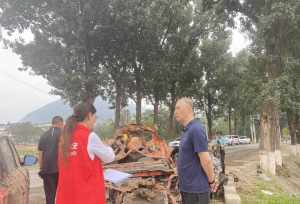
x,y
57,119
188,101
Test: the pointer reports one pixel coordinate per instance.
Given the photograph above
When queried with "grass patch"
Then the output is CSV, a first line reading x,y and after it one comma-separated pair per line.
x,y
27,149
278,195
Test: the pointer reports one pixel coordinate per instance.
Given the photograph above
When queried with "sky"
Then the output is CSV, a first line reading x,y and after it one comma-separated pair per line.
x,y
22,92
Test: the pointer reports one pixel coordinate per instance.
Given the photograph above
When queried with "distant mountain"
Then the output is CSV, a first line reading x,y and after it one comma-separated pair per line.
x,y
45,113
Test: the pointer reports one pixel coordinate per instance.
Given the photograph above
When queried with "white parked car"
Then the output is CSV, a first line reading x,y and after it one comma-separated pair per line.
x,y
244,140
233,139
175,143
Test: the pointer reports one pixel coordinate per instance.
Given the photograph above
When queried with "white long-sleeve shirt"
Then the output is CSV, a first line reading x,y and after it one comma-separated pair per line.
x,y
97,148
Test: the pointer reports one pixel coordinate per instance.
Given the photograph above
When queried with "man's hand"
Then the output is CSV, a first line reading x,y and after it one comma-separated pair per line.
x,y
207,165
213,186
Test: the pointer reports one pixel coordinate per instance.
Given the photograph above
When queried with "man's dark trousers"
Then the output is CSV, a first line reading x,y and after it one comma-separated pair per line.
x,y
195,198
50,185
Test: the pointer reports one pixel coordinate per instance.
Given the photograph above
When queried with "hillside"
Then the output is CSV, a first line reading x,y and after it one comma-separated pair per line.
x,y
45,113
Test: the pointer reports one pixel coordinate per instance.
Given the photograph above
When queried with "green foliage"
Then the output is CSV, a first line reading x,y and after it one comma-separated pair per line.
x,y
105,130
278,196
25,133
275,44
285,133
63,50
27,150
162,50
162,125
220,126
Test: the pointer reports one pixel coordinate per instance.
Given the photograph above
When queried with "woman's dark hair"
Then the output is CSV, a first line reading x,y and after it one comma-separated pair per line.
x,y
81,111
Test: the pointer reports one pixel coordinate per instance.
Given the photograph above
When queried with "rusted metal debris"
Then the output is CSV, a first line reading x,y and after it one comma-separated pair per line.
x,y
141,152
141,139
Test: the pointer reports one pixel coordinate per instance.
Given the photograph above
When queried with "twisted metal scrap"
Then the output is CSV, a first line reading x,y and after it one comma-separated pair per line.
x,y
150,164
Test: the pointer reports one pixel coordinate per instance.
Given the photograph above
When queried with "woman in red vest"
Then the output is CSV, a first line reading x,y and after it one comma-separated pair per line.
x,y
81,156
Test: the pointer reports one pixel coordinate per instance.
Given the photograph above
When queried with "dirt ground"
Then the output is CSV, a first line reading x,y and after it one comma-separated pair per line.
x,y
243,165
37,195
289,174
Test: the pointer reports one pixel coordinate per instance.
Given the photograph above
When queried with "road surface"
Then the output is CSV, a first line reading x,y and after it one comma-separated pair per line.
x,y
240,154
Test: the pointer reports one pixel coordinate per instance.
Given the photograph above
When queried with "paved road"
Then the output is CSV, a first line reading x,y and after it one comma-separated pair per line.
x,y
240,154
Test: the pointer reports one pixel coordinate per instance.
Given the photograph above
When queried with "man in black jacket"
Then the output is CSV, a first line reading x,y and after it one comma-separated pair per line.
x,y
48,153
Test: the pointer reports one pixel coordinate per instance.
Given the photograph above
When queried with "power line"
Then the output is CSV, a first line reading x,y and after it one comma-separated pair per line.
x,y
24,83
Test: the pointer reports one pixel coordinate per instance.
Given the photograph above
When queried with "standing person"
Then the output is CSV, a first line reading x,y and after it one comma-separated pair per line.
x,y
48,147
195,169
81,155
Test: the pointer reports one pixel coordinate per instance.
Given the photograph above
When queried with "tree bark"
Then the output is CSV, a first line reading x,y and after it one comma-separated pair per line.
x,y
235,123
139,107
209,116
270,125
297,128
209,125
270,137
118,105
172,121
229,121
155,110
291,124
252,129
171,128
139,95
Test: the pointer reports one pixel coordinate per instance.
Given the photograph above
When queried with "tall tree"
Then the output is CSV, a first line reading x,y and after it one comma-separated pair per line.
x,y
213,57
63,50
272,25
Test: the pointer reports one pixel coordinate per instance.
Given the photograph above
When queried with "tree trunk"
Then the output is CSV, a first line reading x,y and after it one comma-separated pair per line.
x,y
252,129
171,128
139,108
139,96
171,121
277,135
235,123
291,124
155,111
229,121
118,105
270,125
209,116
292,130
297,130
270,138
209,125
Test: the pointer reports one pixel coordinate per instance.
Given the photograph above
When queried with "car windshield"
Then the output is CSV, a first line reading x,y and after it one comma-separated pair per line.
x,y
243,137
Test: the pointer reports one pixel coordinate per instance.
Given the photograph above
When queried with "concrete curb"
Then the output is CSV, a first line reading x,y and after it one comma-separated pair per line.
x,y
230,194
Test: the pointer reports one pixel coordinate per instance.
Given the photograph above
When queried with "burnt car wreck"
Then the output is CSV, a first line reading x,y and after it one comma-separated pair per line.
x,y
141,152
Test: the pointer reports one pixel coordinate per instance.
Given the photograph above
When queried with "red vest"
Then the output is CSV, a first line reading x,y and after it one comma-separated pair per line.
x,y
80,178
